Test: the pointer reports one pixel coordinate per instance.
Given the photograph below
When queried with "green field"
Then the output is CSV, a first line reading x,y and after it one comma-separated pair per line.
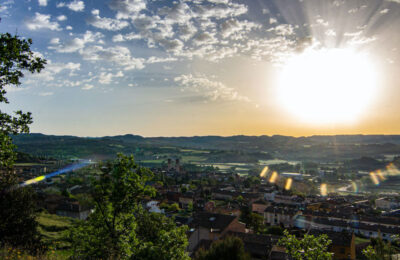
x,y
54,231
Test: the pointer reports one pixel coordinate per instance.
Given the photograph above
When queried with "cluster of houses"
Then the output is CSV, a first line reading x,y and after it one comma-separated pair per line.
x,y
212,212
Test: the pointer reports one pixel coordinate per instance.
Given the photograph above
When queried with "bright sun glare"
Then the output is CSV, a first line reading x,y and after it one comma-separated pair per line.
x,y
327,86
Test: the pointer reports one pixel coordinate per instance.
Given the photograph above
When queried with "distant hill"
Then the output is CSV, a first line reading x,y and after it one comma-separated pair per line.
x,y
320,148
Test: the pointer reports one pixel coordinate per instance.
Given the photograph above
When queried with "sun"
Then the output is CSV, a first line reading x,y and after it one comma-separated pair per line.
x,y
327,85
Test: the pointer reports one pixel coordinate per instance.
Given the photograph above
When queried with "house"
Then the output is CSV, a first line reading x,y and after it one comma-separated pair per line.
x,y
343,244
280,216
72,209
212,226
387,203
259,206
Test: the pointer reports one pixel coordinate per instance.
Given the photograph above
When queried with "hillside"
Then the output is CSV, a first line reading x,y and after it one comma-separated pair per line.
x,y
319,148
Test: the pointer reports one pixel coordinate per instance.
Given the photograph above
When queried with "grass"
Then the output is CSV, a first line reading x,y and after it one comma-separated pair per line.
x,y
193,158
360,240
158,161
54,231
29,164
193,151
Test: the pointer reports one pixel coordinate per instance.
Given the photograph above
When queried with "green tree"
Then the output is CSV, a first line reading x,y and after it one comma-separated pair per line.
x,y
119,228
18,226
231,248
159,238
310,247
256,222
379,249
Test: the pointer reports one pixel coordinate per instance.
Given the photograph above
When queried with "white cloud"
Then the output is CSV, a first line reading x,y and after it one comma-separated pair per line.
x,y
126,8
272,20
118,54
51,69
61,18
69,28
75,44
42,21
87,87
106,78
233,26
106,23
76,5
42,2
283,29
211,90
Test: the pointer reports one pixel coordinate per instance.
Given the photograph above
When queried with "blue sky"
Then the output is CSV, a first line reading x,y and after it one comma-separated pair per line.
x,y
190,67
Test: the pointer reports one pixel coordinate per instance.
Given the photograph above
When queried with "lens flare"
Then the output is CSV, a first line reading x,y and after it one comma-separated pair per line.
x,y
380,175
324,189
264,172
355,187
374,178
273,177
391,169
288,184
69,168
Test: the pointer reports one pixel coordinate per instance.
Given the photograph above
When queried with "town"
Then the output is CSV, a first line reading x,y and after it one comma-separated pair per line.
x,y
256,207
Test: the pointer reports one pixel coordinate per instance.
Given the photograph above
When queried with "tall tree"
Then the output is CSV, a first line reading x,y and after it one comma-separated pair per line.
x,y
119,227
309,247
18,226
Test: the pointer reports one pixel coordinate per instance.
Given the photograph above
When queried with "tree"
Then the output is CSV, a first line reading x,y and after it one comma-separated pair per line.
x,y
119,227
379,249
256,222
231,248
18,226
159,238
309,247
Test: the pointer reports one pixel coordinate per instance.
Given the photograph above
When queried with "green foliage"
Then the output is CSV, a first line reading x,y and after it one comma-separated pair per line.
x,y
275,230
310,247
118,227
379,249
18,227
256,222
159,238
231,248
370,253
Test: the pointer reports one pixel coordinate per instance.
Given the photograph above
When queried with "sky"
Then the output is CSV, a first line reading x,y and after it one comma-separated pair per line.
x,y
185,68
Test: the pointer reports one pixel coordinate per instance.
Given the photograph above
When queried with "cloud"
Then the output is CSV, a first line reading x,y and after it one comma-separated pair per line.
x,y
42,21
61,18
233,26
87,87
204,38
42,2
76,44
106,23
51,69
106,78
127,8
119,55
76,5
283,30
126,37
212,90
